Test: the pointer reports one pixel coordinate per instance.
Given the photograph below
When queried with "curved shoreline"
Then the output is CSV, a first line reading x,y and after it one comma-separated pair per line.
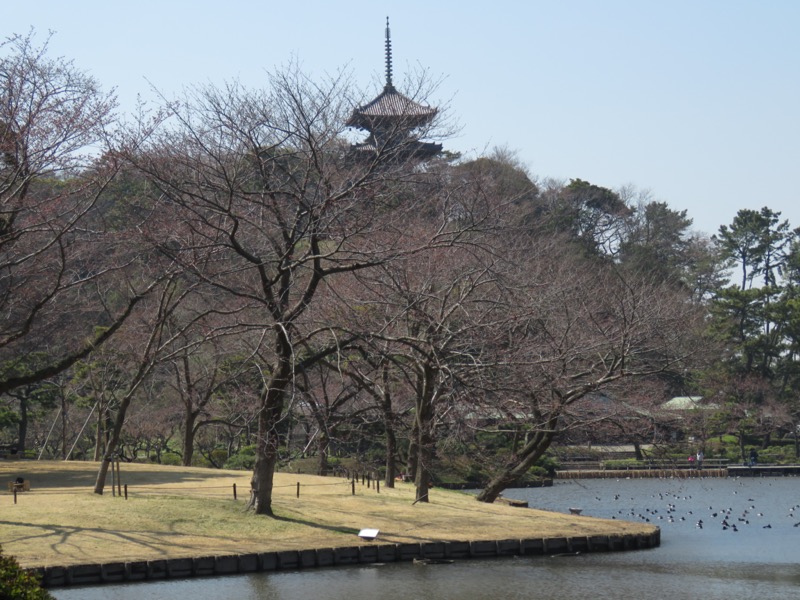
x,y
240,564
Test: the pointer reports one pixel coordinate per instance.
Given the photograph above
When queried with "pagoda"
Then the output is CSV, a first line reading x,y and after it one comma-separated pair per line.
x,y
392,121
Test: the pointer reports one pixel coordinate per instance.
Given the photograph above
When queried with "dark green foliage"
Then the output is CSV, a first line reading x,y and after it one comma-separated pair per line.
x,y
758,320
624,463
594,215
18,584
757,241
244,459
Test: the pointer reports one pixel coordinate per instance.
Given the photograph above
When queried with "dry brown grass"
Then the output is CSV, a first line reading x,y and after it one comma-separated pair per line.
x,y
176,511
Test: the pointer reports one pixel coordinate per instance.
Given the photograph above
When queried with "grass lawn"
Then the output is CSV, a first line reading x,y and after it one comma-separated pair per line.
x,y
178,511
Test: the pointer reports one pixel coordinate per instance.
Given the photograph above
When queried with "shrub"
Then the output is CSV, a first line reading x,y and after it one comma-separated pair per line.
x,y
18,584
548,466
243,460
776,454
624,463
171,459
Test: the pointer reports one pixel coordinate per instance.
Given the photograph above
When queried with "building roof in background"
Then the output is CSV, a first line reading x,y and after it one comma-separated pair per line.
x,y
688,403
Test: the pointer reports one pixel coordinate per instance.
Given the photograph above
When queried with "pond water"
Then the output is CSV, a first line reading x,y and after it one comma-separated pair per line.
x,y
721,539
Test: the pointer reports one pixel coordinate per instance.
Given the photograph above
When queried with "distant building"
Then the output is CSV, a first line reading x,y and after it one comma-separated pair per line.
x,y
688,403
393,122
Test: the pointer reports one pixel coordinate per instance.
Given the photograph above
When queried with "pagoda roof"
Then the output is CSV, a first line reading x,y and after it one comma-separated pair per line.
x,y
391,107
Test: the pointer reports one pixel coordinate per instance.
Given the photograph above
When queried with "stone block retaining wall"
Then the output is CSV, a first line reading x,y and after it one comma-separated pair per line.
x,y
205,566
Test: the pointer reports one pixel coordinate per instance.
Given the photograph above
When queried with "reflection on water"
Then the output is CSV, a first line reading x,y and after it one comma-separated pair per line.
x,y
758,558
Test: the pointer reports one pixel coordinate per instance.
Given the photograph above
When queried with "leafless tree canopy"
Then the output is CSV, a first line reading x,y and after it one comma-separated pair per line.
x,y
229,264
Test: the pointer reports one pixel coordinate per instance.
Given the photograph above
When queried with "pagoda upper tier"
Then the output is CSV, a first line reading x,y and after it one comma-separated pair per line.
x,y
391,108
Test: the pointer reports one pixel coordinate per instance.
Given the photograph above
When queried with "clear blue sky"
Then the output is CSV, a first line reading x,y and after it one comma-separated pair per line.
x,y
696,101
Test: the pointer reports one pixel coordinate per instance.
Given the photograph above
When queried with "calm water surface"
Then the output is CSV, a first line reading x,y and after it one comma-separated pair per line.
x,y
747,547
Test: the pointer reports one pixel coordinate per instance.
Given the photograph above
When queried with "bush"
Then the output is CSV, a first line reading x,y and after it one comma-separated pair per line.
x,y
624,463
244,460
782,455
219,456
547,466
171,459
18,584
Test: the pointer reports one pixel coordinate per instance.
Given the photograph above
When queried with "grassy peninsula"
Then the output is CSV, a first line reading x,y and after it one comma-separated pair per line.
x,y
177,511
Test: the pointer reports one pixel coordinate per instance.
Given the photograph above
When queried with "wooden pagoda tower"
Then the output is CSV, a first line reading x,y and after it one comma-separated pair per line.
x,y
393,122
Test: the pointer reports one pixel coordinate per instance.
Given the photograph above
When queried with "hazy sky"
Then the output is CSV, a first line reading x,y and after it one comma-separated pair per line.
x,y
696,101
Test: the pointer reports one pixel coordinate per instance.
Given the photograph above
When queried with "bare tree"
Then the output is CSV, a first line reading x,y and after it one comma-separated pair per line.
x,y
581,329
432,315
57,272
148,340
270,208
375,375
326,394
203,364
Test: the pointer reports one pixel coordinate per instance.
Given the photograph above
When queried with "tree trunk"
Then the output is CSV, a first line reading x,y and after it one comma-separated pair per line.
x,y
63,427
425,456
323,443
188,436
23,426
391,457
532,451
261,483
98,438
425,437
413,452
111,444
391,437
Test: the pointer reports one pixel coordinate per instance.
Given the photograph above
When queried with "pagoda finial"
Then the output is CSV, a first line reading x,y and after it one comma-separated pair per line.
x,y
388,56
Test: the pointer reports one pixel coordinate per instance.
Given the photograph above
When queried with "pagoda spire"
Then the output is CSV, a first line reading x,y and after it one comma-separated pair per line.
x,y
388,57
391,120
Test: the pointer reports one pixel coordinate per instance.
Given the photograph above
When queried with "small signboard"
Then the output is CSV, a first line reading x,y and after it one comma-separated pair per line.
x,y
368,534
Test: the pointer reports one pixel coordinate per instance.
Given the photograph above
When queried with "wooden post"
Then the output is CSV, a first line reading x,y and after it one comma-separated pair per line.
x,y
126,491
353,485
119,480
113,478
298,489
234,491
15,494
378,485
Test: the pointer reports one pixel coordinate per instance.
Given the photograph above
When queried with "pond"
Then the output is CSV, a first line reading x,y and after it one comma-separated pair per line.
x,y
721,539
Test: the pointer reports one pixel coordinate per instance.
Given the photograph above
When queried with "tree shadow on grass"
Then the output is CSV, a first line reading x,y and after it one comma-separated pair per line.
x,y
86,477
159,544
334,528
384,533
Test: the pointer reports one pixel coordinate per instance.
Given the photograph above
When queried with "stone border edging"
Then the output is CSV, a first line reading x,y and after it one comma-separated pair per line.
x,y
641,473
239,564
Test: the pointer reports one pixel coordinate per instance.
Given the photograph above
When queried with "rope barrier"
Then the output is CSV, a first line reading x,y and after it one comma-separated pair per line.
x,y
155,490
151,490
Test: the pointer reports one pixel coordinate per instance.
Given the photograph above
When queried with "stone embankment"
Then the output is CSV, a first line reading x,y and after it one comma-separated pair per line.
x,y
677,472
150,570
639,473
